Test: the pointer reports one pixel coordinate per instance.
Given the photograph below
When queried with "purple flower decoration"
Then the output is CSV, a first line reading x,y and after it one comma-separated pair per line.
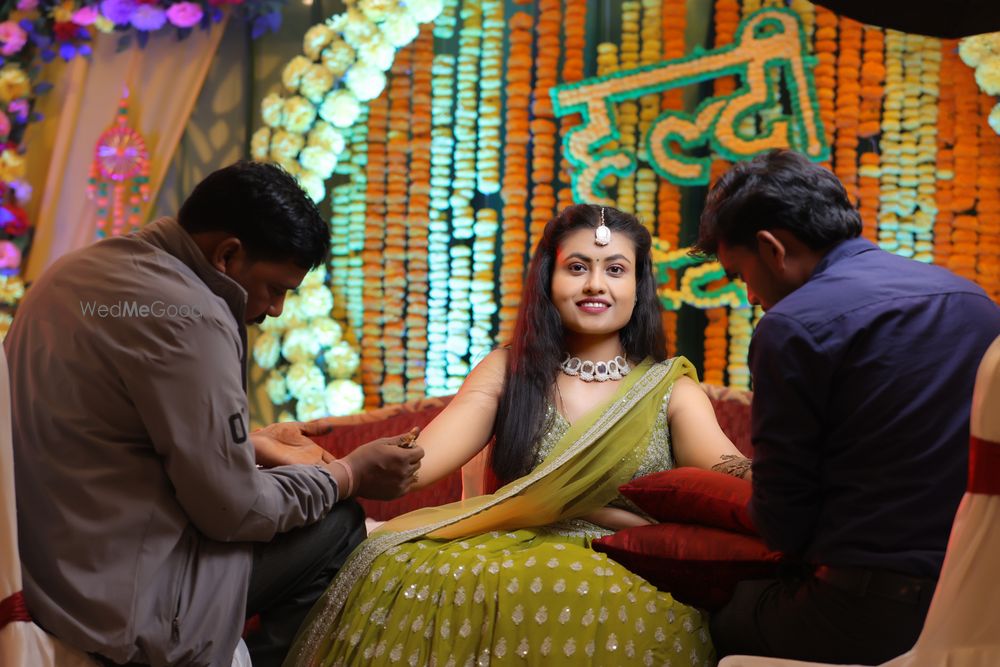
x,y
19,109
149,18
118,12
184,14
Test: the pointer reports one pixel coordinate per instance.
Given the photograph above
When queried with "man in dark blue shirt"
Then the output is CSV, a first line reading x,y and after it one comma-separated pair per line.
x,y
863,369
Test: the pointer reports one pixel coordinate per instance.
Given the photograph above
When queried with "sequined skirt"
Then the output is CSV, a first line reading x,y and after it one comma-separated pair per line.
x,y
532,596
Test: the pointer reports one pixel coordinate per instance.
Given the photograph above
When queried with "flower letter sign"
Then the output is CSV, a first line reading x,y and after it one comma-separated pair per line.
x,y
768,42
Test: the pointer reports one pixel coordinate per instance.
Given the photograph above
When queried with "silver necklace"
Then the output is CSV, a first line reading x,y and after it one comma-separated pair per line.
x,y
599,371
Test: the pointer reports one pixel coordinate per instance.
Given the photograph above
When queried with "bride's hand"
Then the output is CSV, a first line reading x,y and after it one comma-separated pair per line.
x,y
614,518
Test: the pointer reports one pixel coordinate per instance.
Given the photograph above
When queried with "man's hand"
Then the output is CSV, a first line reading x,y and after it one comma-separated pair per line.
x,y
288,443
386,468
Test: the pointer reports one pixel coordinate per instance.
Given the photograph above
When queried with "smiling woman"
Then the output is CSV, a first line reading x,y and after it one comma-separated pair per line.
x,y
488,578
593,286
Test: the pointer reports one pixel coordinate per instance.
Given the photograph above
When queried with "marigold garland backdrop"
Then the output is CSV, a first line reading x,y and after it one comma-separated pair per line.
x,y
445,133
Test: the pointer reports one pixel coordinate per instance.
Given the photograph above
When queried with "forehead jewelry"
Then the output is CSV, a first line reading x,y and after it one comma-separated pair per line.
x,y
602,235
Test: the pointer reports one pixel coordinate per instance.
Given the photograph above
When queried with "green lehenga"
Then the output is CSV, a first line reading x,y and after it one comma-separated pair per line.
x,y
509,578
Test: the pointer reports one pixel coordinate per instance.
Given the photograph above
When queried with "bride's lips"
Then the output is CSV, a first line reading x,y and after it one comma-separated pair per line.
x,y
593,305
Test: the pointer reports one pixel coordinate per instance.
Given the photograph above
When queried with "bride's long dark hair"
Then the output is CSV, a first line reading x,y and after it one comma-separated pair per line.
x,y
538,347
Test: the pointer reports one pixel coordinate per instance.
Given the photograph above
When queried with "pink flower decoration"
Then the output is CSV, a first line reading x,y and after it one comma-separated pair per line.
x,y
4,126
10,255
85,15
27,5
184,14
12,37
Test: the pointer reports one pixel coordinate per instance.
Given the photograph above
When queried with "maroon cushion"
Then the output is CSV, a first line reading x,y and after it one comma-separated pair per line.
x,y
693,495
697,565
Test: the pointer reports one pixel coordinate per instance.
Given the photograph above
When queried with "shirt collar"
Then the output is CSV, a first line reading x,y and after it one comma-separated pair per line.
x,y
843,250
170,237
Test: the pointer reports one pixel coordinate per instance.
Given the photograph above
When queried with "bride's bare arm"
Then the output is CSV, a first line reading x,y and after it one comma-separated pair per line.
x,y
466,425
614,518
695,433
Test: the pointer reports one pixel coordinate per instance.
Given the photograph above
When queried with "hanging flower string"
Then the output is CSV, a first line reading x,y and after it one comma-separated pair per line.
x,y
372,364
394,275
573,45
514,190
650,50
869,114
668,199
543,125
944,194
439,227
418,206
965,234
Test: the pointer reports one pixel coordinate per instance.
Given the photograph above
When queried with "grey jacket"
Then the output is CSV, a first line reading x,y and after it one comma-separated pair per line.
x,y
137,494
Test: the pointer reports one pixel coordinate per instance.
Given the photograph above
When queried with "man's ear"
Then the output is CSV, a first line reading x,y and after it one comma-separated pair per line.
x,y
772,251
225,253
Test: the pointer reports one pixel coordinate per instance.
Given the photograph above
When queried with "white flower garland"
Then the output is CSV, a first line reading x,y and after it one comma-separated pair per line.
x,y
343,65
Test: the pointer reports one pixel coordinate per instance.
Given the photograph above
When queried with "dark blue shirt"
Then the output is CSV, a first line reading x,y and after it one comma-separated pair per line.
x,y
863,384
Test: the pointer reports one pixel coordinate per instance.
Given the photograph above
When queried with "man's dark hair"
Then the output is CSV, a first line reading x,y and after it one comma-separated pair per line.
x,y
263,206
780,189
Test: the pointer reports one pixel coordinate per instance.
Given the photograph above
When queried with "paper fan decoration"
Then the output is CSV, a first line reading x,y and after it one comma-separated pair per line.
x,y
119,175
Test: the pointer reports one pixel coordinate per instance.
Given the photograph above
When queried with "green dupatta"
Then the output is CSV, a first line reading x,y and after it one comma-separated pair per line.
x,y
594,457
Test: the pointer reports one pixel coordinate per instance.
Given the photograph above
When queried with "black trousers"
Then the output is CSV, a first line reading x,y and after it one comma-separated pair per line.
x,y
290,573
847,616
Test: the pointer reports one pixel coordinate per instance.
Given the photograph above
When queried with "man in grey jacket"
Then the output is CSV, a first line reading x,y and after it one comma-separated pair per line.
x,y
152,523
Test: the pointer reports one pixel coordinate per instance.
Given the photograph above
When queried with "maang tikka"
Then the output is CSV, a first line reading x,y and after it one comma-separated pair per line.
x,y
602,235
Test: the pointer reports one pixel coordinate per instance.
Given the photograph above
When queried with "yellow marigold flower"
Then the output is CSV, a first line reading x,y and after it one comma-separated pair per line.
x,y
377,52
338,56
326,136
299,114
260,144
11,289
988,75
11,166
326,331
973,50
378,10
272,110
316,39
341,108
318,160
286,145
342,360
14,83
316,83
344,397
267,350
425,11
291,76
63,13
104,24
358,29
315,277
277,388
312,183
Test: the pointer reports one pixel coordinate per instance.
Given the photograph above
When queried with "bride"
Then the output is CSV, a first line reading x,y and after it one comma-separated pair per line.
x,y
581,402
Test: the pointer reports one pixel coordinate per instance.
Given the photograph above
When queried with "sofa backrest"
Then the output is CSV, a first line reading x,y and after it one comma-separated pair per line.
x,y
732,408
